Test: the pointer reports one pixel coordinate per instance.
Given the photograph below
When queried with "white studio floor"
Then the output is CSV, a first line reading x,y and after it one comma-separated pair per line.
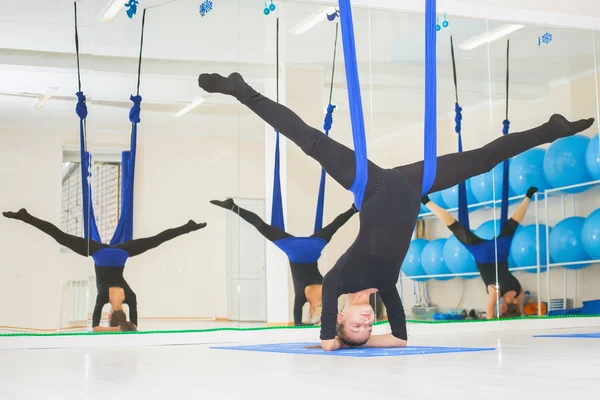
x,y
520,366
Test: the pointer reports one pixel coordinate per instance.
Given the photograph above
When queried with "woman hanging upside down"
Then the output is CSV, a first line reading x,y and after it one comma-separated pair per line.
x,y
486,253
388,214
303,254
109,265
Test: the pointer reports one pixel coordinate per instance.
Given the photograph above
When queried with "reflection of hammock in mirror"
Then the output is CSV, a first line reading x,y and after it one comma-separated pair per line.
x,y
355,101
497,248
124,229
308,248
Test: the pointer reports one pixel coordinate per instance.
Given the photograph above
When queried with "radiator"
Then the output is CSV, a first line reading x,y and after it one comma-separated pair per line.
x,y
78,306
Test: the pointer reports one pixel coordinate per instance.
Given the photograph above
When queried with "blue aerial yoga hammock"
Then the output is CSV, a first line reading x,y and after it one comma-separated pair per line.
x,y
355,101
301,249
124,230
463,210
486,252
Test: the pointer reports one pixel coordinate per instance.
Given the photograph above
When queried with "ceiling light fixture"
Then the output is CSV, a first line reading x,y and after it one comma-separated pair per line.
x,y
112,10
490,36
195,103
39,103
312,21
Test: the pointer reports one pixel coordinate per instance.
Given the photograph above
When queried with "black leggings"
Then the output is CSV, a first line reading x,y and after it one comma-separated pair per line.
x,y
466,236
339,162
387,222
85,247
274,234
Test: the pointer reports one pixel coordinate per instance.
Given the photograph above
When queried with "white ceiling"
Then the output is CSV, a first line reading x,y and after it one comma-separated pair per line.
x,y
37,51
578,7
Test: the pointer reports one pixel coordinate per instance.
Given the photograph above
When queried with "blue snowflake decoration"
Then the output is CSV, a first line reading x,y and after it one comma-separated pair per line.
x,y
206,7
546,38
131,6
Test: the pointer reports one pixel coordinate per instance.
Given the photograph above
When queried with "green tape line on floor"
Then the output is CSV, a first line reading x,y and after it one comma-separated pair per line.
x,y
287,327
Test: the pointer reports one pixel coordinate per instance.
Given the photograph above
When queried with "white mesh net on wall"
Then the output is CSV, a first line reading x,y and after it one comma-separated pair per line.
x,y
106,198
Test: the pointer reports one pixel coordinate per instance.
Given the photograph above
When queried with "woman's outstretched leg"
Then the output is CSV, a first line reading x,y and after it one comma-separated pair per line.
x,y
458,167
79,245
138,246
327,232
270,232
336,159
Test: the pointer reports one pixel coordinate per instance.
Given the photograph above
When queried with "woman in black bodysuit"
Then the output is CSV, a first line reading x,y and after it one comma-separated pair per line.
x,y
388,214
509,287
109,265
303,254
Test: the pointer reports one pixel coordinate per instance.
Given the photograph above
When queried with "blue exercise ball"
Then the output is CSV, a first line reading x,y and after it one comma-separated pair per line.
x,y
565,242
486,230
412,262
432,259
590,235
450,196
458,259
523,248
481,185
527,170
564,163
592,158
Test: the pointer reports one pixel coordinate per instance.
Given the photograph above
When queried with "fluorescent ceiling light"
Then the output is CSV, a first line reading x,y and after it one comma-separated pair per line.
x,y
195,103
490,36
45,97
112,10
313,20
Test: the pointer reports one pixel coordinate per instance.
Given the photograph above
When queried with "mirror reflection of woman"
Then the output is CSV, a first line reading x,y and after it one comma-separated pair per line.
x,y
304,265
508,286
111,285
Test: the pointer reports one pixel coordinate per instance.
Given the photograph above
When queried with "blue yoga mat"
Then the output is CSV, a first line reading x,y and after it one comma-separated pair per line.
x,y
300,348
573,335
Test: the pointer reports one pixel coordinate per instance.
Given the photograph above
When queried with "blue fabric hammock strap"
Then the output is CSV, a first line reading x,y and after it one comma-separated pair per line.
x,y
327,124
356,108
486,252
430,140
355,103
90,230
505,130
277,199
463,206
277,219
124,230
321,196
302,250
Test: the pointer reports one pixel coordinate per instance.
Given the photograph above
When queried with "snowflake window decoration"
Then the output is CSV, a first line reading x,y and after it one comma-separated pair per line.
x,y
206,7
131,6
546,38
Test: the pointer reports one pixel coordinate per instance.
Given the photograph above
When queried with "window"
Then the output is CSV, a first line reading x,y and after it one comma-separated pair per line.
x,y
106,193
